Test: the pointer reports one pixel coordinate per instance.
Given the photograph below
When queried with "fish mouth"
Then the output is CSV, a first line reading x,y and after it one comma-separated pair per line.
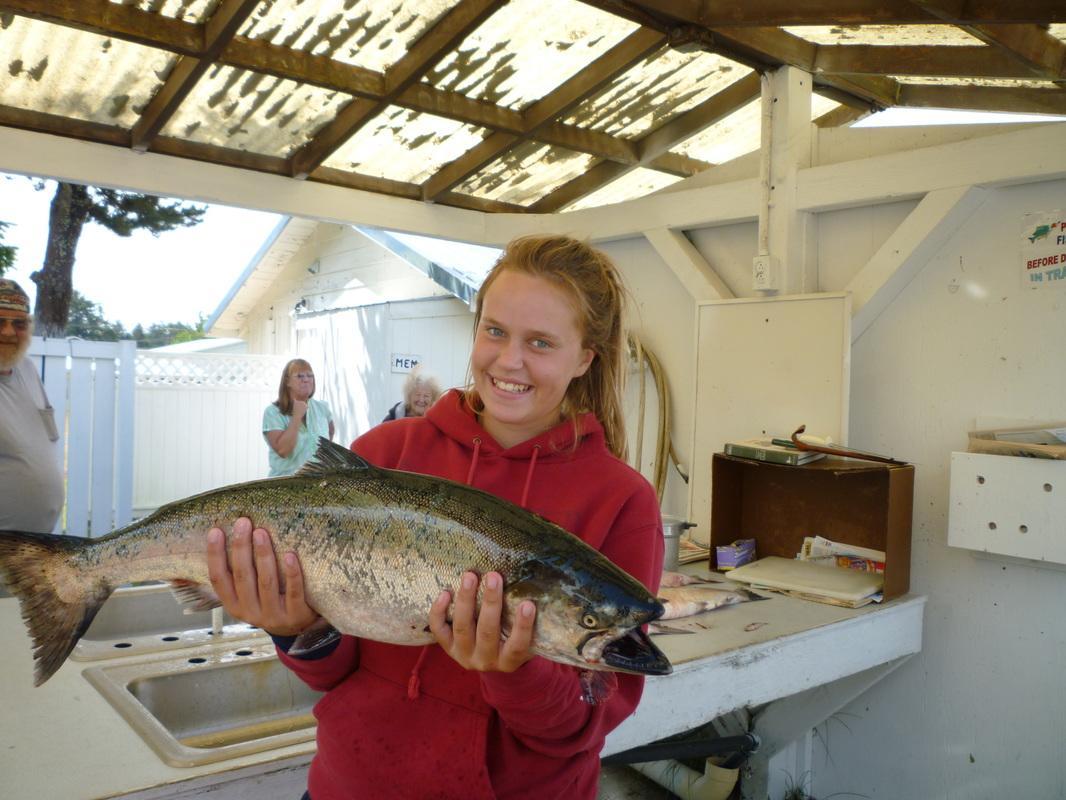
x,y
635,652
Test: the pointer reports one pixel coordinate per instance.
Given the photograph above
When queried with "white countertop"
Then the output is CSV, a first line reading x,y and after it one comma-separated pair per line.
x,y
64,740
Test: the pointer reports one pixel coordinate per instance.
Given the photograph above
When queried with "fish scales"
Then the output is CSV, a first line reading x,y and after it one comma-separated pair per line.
x,y
376,548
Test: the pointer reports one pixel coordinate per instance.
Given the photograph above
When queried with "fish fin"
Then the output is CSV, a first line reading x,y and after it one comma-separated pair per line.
x,y
30,564
596,686
320,634
332,457
655,628
194,596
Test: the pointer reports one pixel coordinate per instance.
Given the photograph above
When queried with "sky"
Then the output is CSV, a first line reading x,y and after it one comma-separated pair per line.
x,y
173,277
181,275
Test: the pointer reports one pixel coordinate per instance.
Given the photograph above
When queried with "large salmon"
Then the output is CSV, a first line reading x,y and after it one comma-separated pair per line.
x,y
376,546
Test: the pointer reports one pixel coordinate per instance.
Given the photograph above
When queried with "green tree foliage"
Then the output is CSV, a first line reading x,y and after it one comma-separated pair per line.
x,y
7,251
122,213
87,321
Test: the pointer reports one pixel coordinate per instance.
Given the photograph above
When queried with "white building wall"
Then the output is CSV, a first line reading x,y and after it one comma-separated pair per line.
x,y
981,711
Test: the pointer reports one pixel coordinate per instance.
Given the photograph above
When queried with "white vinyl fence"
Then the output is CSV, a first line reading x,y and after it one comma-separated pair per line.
x,y
199,422
90,386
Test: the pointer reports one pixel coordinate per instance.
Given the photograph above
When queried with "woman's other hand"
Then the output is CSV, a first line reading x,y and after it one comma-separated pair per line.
x,y
299,409
472,638
247,581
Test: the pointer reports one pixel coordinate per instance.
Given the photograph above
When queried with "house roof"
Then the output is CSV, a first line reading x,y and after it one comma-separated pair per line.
x,y
527,105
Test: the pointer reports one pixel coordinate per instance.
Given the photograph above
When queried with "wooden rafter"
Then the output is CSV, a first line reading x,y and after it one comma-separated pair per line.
x,y
840,116
448,32
586,83
717,14
977,61
218,31
989,98
656,142
1031,46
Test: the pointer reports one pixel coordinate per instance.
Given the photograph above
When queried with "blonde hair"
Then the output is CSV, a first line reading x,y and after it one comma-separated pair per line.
x,y
284,401
592,281
416,380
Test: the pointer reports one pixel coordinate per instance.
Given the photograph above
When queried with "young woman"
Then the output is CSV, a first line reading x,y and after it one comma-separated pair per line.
x,y
293,423
541,425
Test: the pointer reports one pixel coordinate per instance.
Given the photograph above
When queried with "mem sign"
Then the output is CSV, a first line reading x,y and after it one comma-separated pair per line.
x,y
1043,246
402,362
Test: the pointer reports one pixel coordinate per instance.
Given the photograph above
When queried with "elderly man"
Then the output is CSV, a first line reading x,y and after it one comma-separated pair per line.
x,y
31,481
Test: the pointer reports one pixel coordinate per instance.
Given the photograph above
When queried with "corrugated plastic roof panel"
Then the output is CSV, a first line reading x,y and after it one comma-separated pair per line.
x,y
405,145
250,111
1012,83
76,74
196,11
527,49
373,34
661,86
526,173
733,136
633,184
940,35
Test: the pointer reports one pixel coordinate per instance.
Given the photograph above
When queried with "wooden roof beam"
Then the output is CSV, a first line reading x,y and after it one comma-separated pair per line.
x,y
1030,45
984,98
717,14
431,47
978,61
585,83
219,30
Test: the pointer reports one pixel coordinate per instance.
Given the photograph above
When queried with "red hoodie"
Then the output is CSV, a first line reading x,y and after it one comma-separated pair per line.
x,y
409,722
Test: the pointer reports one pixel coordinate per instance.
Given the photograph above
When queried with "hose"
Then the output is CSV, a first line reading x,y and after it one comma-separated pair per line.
x,y
665,453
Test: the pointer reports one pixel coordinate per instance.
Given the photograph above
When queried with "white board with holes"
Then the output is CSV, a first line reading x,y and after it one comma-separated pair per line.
x,y
764,366
1008,506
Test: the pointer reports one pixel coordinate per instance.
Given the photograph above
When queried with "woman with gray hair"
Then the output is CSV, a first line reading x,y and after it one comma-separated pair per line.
x,y
419,393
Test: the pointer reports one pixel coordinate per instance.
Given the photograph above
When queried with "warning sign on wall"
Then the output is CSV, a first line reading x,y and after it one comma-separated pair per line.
x,y
1044,249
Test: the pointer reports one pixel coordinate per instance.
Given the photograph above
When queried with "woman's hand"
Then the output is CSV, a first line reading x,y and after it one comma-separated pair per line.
x,y
472,638
247,582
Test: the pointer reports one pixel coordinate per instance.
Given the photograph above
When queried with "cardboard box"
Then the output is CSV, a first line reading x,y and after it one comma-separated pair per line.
x,y
858,502
1026,442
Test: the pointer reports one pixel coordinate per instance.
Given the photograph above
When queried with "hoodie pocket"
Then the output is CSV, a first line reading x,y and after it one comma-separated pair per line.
x,y
375,742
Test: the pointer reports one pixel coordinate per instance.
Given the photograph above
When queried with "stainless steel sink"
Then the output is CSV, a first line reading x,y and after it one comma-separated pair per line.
x,y
210,703
144,619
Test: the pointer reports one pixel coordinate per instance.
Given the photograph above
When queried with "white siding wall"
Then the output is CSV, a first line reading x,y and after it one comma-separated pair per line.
x,y
981,712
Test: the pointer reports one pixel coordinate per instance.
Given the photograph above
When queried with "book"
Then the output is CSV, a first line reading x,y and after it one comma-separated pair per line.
x,y
766,450
846,587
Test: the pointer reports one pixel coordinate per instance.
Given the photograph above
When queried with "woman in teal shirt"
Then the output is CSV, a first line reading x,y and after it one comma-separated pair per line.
x,y
293,423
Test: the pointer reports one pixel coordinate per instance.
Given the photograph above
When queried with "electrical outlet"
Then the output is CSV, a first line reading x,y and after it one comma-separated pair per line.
x,y
764,274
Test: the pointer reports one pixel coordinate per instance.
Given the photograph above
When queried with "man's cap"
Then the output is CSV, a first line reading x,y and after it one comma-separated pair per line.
x,y
12,298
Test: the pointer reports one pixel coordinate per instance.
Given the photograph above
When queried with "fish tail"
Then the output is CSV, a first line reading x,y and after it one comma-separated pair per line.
x,y
32,565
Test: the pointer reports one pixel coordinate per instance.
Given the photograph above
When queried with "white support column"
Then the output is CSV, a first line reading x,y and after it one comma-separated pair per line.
x,y
907,250
691,268
789,235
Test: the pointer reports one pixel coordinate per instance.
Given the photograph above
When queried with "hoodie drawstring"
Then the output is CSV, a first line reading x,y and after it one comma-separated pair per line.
x,y
473,461
414,683
529,474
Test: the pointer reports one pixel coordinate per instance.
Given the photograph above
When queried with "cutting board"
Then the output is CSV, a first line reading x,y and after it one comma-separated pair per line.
x,y
802,576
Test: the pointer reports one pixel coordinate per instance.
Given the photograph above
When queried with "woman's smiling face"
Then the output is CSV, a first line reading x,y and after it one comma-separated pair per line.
x,y
527,349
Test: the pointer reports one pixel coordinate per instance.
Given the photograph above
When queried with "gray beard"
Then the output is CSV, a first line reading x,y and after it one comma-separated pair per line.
x,y
8,364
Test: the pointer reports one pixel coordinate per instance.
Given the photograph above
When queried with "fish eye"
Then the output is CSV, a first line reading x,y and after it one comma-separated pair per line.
x,y
589,621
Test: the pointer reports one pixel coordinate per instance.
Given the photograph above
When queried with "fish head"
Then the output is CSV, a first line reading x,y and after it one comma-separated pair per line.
x,y
589,616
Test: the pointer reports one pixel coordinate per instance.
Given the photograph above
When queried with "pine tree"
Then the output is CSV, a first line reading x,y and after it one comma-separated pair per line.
x,y
7,251
122,213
